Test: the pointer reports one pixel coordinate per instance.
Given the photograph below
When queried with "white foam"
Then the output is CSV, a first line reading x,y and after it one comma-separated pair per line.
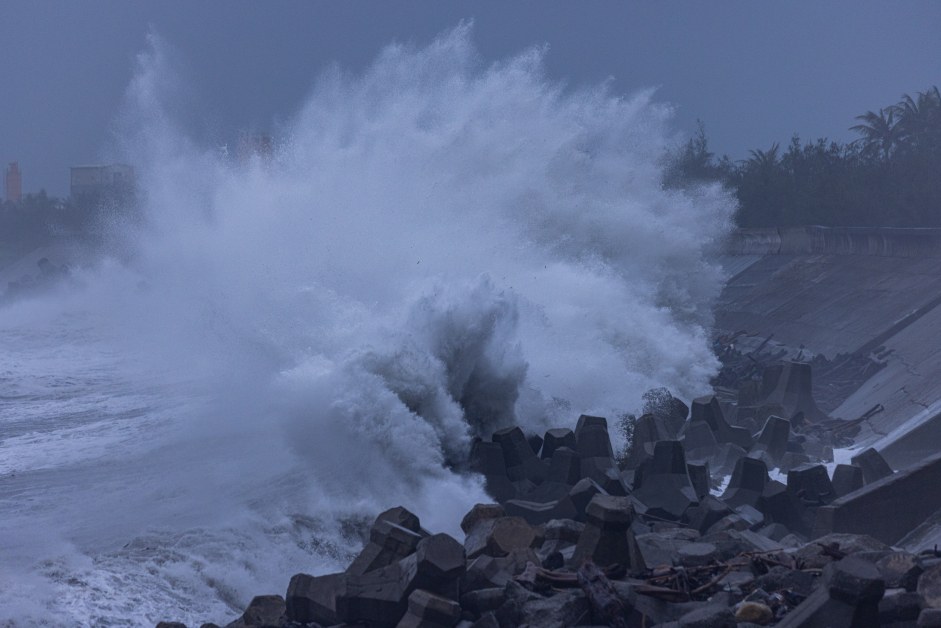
x,y
437,248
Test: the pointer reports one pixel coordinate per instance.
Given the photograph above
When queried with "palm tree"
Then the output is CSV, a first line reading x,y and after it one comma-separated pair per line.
x,y
881,133
764,159
921,115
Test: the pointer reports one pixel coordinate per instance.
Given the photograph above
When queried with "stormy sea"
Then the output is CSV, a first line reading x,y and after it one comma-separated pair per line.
x,y
273,350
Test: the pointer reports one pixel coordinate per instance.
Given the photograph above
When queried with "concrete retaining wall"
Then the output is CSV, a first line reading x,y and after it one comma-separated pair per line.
x,y
883,241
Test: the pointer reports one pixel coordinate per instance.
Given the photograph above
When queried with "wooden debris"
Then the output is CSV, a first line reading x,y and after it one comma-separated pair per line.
x,y
601,595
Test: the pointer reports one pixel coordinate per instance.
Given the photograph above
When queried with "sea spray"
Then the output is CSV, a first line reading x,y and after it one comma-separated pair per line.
x,y
436,248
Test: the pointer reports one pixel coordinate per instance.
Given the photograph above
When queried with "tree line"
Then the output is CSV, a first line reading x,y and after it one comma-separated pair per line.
x,y
890,176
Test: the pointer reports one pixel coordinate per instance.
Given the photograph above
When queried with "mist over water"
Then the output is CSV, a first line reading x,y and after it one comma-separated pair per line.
x,y
437,248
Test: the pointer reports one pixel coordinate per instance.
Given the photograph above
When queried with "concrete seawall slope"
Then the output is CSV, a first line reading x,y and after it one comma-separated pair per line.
x,y
844,290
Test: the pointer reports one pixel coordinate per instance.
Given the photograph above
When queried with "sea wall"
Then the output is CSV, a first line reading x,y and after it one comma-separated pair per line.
x,y
884,241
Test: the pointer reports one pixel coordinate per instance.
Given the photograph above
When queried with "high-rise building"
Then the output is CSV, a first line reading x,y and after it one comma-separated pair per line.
x,y
14,183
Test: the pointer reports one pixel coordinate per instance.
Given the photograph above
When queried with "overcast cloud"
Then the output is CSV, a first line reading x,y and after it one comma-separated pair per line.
x,y
753,72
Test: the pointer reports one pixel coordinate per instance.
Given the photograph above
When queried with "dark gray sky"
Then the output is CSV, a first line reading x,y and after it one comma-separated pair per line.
x,y
754,72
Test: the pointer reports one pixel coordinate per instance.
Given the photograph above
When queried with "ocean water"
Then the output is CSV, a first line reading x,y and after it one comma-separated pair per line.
x,y
278,349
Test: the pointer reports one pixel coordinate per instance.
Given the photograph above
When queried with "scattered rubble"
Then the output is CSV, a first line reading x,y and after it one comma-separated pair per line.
x,y
579,537
746,358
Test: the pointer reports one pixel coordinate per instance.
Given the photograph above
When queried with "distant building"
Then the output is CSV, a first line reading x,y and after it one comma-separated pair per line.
x,y
14,183
102,183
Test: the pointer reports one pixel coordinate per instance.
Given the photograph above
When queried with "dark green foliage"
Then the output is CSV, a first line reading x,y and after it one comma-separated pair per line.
x,y
890,176
694,164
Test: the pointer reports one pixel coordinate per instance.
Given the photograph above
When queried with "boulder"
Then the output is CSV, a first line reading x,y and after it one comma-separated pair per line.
x,y
753,613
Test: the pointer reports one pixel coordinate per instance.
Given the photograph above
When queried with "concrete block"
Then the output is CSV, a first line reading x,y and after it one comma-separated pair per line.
x,y
264,611
606,538
700,478
314,598
811,485
581,495
747,483
591,437
700,442
889,508
648,429
388,543
564,466
873,465
499,537
790,386
708,410
774,436
536,513
556,438
427,610
481,512
846,479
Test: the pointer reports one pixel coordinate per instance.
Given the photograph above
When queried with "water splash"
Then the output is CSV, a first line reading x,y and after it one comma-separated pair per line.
x,y
436,248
